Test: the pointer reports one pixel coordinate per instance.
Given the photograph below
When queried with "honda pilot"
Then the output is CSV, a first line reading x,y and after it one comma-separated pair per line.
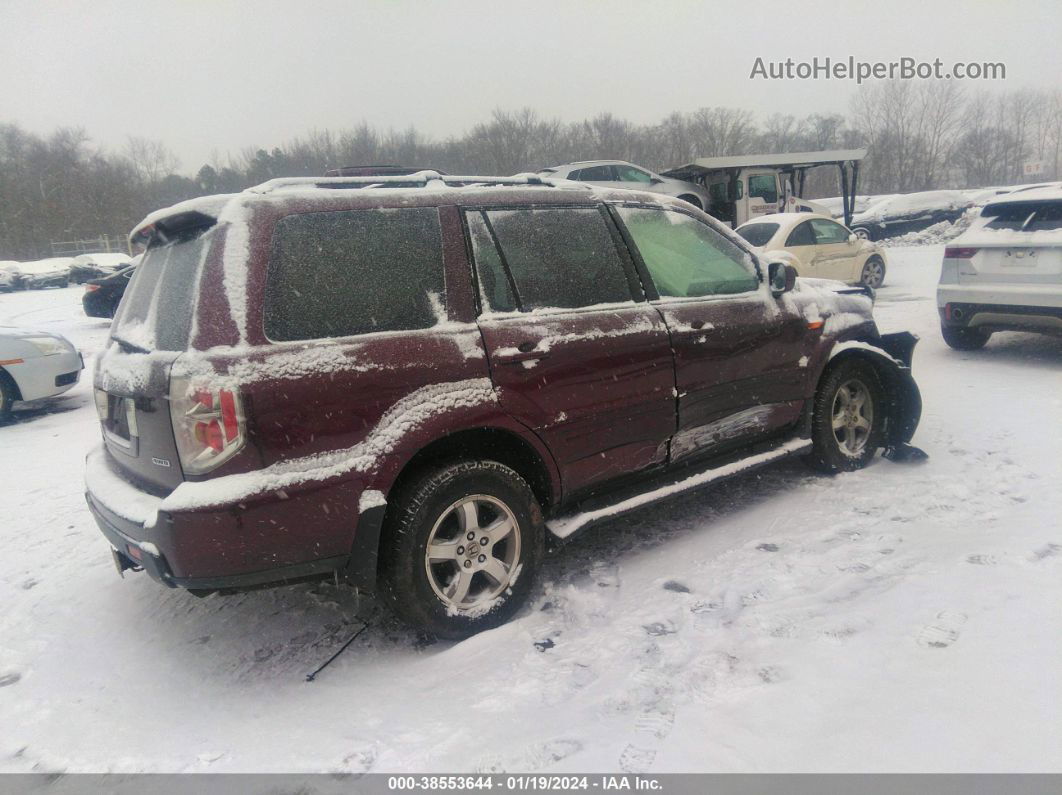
x,y
411,384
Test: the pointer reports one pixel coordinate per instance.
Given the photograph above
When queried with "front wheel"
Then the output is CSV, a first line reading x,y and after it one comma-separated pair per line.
x,y
7,397
461,554
849,417
861,233
692,200
965,339
873,274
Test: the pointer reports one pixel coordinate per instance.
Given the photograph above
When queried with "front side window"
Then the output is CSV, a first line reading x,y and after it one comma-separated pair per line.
x,y
337,274
828,232
632,174
685,257
551,257
765,186
802,235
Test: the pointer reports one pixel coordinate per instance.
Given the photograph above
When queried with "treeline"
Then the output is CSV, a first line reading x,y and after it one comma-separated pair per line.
x,y
921,136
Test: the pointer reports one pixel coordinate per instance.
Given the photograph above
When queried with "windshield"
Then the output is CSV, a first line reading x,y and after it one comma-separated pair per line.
x,y
156,312
758,234
1027,216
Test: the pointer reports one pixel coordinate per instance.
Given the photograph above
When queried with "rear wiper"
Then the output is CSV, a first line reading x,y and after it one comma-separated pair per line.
x,y
129,347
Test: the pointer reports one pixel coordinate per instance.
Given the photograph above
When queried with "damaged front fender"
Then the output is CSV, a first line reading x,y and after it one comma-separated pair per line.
x,y
891,355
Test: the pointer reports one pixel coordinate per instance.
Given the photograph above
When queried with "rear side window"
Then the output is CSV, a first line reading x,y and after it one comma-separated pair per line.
x,y
1026,216
758,234
687,258
338,274
550,257
594,174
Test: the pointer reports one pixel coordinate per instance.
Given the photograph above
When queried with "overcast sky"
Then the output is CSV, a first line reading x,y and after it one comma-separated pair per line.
x,y
221,75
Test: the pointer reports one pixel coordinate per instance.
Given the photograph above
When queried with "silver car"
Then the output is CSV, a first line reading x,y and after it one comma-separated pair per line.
x,y
620,174
34,365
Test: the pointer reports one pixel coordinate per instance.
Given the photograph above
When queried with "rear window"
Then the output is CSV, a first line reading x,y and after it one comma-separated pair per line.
x,y
1025,216
758,234
157,308
338,274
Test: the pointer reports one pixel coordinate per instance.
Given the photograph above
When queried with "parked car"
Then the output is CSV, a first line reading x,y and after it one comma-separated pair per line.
x,y
34,365
1004,273
909,212
816,246
42,273
8,275
102,296
834,205
408,387
377,171
95,266
620,174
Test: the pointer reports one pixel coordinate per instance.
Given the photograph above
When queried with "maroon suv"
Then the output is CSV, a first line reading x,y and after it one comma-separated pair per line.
x,y
409,384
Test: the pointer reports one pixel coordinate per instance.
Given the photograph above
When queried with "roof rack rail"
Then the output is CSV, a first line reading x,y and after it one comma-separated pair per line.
x,y
419,179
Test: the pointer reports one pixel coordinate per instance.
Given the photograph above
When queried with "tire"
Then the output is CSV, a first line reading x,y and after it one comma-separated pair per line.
x,y
848,422
692,200
7,396
873,275
965,339
466,587
861,232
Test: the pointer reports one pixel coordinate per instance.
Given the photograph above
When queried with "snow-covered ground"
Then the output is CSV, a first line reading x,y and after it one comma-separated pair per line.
x,y
902,618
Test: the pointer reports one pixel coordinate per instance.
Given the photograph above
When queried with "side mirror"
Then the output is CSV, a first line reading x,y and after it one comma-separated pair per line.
x,y
852,238
781,277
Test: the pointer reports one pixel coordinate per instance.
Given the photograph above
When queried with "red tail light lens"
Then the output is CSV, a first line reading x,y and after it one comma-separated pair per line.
x,y
208,425
959,253
91,288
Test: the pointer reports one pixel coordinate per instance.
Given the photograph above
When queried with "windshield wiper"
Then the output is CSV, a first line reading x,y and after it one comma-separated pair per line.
x,y
129,347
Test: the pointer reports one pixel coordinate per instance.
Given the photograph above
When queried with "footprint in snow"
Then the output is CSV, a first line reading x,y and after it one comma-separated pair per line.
x,y
359,762
636,760
676,586
767,547
1048,551
659,628
9,679
944,631
982,560
533,758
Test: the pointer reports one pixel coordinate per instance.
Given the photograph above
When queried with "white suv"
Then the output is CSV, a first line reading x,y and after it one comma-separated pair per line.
x,y
621,174
1004,273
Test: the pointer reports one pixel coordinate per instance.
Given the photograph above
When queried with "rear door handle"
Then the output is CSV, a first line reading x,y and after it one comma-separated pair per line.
x,y
524,352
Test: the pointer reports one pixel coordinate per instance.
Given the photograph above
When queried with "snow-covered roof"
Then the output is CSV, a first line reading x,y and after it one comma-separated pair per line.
x,y
784,220
1048,193
420,180
795,159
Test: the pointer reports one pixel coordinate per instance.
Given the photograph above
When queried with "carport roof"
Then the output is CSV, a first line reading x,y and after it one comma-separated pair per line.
x,y
789,159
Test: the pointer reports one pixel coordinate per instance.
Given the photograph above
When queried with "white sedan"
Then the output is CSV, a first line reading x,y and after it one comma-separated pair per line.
x,y
1004,273
816,246
34,365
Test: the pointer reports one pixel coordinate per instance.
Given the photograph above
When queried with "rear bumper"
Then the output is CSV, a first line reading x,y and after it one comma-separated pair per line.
x,y
992,310
1011,295
271,541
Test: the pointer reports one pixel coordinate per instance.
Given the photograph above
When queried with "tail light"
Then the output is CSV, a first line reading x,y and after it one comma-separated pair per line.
x,y
959,253
208,424
91,288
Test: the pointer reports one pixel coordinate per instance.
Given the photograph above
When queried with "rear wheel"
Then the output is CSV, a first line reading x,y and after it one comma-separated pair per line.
x,y
965,339
873,275
849,417
692,200
461,554
861,233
